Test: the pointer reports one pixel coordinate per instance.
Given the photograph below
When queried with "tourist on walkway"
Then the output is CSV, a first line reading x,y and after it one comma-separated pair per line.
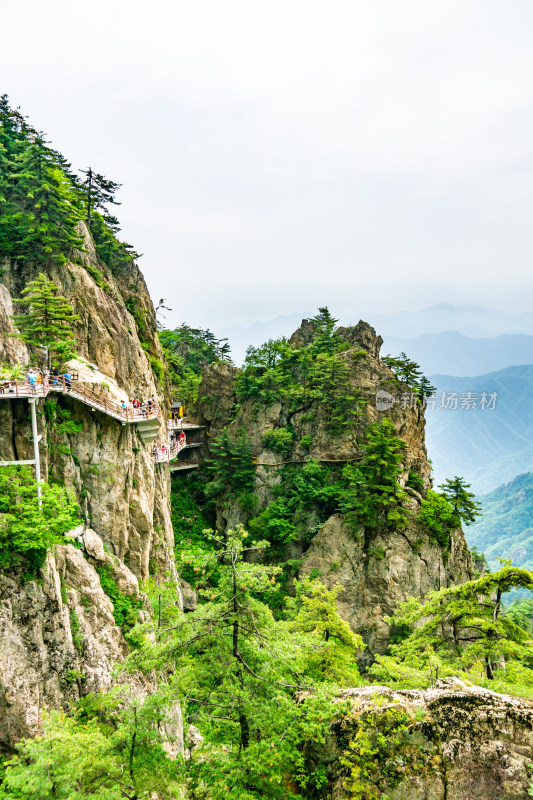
x,y
68,380
32,380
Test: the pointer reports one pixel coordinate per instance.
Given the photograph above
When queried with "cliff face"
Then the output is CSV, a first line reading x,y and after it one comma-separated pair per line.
x,y
451,742
376,571
123,495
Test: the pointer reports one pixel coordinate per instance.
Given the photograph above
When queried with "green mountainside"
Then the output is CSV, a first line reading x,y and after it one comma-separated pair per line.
x,y
208,634
487,447
505,529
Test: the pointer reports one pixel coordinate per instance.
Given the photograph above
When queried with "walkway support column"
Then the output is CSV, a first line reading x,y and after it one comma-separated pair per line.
x,y
33,406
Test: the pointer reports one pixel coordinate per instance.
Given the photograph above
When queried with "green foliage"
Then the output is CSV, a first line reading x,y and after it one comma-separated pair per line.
x,y
464,505
125,607
42,202
230,465
409,372
440,514
415,482
48,321
304,496
299,373
113,753
279,440
521,613
187,351
438,518
462,627
192,548
480,561
39,211
381,754
314,610
253,728
157,368
139,314
26,530
372,494
306,441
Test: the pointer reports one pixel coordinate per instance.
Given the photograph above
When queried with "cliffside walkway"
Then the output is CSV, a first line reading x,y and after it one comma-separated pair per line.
x,y
162,456
147,419
12,390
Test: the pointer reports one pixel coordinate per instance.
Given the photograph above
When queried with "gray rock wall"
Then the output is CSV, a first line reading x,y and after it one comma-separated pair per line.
x,y
124,497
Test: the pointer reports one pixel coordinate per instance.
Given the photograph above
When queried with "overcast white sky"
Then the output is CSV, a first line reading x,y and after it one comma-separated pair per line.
x,y
277,156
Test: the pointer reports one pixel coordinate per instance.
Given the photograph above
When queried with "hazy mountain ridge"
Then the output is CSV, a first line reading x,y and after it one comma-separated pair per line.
x,y
475,322
453,353
506,528
487,447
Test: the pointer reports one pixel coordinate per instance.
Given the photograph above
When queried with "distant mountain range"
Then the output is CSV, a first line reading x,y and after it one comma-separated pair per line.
x,y
487,447
453,353
506,528
475,322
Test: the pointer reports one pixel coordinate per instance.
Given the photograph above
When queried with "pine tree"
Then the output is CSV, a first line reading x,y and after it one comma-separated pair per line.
x,y
464,505
325,339
46,195
464,625
315,611
381,468
48,321
99,191
237,669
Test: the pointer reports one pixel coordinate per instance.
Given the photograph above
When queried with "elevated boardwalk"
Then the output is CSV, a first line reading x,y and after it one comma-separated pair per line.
x,y
148,419
168,454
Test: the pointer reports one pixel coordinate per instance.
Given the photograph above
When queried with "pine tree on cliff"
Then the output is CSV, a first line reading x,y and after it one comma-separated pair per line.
x,y
325,339
99,191
381,467
48,321
464,505
44,193
463,627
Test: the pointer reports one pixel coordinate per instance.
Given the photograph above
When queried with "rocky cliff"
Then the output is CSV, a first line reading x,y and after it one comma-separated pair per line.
x,y
58,632
450,742
377,570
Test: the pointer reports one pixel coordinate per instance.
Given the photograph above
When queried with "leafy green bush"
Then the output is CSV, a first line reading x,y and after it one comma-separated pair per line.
x,y
230,465
306,441
125,608
191,547
304,493
279,440
438,517
25,529
157,367
415,482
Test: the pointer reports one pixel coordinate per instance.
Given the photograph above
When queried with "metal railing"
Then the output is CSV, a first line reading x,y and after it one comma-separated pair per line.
x,y
163,454
182,424
42,386
185,464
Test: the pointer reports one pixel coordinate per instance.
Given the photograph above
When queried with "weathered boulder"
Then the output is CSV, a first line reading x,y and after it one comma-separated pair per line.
x,y
396,565
450,742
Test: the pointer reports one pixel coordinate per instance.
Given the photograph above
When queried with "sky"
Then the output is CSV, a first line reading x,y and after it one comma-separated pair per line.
x,y
361,154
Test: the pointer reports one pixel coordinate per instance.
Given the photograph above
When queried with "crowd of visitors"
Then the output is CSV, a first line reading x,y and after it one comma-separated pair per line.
x,y
176,442
140,408
35,378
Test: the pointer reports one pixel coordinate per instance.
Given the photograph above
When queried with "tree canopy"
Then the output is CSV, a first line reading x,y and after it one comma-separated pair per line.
x,y
48,321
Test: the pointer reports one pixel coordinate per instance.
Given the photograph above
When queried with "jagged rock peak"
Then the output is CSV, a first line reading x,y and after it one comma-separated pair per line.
x,y
361,334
